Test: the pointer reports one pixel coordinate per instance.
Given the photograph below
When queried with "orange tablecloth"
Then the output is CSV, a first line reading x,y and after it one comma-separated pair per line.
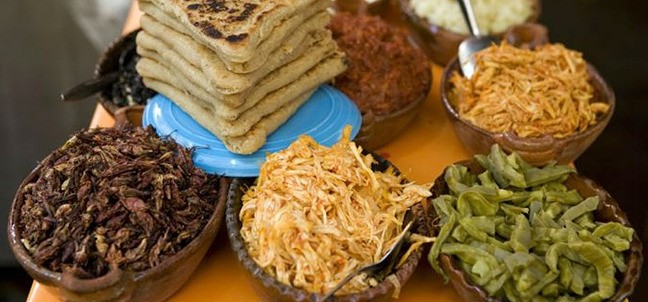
x,y
421,152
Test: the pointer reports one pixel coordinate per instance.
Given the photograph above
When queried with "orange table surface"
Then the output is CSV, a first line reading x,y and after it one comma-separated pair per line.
x,y
422,151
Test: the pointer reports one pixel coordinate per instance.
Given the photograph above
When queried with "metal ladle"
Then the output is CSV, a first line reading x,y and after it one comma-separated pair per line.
x,y
469,47
385,264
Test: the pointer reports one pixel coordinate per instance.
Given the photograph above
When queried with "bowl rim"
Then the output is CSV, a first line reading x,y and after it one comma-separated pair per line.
x,y
607,205
114,276
546,141
423,23
129,115
366,136
362,6
296,294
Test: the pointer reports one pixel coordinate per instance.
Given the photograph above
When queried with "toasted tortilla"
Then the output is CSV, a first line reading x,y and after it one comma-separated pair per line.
x,y
243,144
208,71
229,107
226,28
156,66
322,72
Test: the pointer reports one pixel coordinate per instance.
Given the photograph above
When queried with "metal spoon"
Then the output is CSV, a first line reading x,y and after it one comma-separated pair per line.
x,y
474,44
384,264
89,87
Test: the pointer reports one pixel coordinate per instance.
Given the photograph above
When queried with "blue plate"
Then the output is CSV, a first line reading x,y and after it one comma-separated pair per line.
x,y
323,117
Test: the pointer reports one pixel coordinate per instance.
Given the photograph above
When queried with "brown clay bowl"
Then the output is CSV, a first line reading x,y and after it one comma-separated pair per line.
x,y
269,289
361,6
129,115
536,151
439,43
154,284
378,130
608,210
527,35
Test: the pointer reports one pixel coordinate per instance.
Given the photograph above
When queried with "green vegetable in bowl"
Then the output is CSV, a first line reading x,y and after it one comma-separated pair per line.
x,y
522,235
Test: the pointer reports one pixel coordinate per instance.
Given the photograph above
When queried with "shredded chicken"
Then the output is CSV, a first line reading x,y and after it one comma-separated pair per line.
x,y
317,214
529,92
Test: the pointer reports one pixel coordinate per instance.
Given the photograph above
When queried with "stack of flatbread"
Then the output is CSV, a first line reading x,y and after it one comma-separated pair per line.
x,y
240,68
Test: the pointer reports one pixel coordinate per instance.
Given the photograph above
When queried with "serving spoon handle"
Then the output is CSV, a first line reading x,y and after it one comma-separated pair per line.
x,y
469,16
90,87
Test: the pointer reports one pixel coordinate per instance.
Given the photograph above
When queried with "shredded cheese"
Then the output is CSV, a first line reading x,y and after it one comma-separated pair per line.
x,y
317,214
529,92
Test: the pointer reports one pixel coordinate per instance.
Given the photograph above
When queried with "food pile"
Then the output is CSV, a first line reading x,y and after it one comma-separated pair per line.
x,y
126,198
114,198
493,16
129,90
532,93
386,72
239,68
523,235
316,214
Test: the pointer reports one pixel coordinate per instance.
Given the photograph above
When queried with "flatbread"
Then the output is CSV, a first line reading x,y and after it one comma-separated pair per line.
x,y
152,66
231,106
272,22
209,71
322,72
244,144
216,73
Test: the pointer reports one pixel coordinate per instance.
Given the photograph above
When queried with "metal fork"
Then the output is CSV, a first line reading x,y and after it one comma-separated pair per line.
x,y
386,262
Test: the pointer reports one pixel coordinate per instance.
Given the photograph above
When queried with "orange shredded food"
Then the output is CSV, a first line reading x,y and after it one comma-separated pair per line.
x,y
316,214
529,92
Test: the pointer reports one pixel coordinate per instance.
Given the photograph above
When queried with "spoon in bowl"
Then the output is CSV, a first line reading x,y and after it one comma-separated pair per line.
x,y
477,42
92,86
386,263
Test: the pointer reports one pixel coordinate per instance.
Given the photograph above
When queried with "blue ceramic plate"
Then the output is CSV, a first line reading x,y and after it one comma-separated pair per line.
x,y
323,117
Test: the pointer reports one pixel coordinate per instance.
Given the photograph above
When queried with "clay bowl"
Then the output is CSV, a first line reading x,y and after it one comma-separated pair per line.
x,y
527,35
608,210
108,62
536,151
378,130
361,6
154,284
269,289
129,115
439,43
